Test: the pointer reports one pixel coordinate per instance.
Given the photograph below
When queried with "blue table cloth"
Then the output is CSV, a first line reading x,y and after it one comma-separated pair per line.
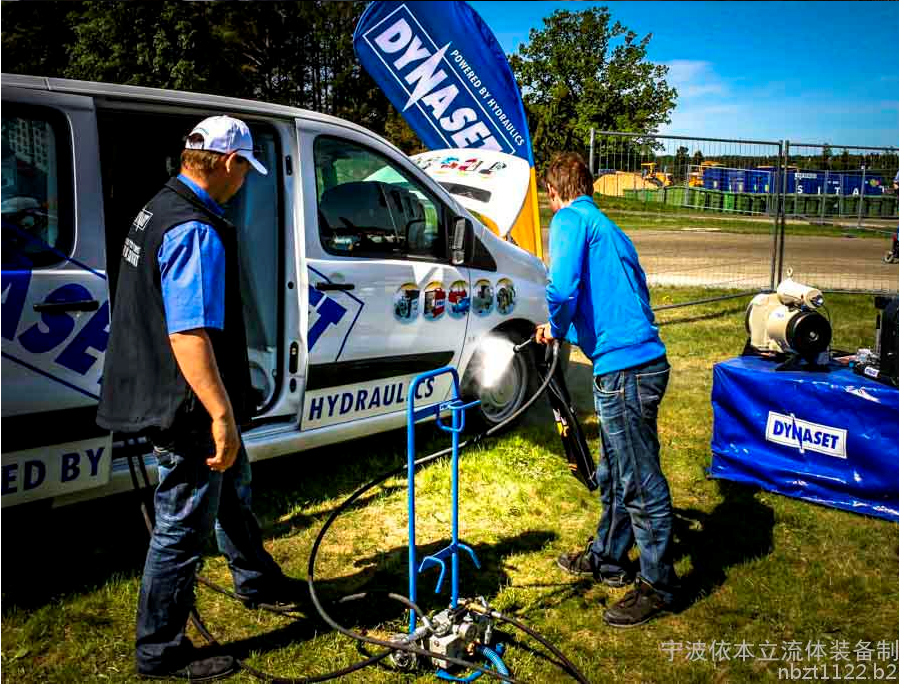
x,y
831,438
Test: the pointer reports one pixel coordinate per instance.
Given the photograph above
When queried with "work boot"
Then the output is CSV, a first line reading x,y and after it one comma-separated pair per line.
x,y
640,605
284,595
200,670
584,563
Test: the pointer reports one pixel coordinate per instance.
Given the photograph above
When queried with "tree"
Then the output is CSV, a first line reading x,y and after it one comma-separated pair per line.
x,y
681,160
36,35
580,72
294,53
845,164
826,156
698,158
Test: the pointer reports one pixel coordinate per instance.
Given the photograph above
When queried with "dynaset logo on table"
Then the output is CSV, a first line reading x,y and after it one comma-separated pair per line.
x,y
805,436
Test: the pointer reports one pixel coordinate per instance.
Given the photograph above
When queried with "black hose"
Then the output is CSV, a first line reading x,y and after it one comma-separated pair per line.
x,y
397,471
390,647
197,621
572,670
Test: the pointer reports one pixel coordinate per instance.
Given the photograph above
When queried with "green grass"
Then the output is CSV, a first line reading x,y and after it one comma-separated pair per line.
x,y
631,215
757,567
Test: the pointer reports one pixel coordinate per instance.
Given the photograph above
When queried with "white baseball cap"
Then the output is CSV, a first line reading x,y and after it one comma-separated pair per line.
x,y
225,134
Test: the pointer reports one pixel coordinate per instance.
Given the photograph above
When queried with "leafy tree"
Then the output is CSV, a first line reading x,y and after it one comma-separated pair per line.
x,y
844,160
293,53
698,158
164,45
681,161
36,35
826,156
581,71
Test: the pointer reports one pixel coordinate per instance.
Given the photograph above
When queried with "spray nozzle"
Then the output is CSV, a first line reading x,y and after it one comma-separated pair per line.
x,y
518,347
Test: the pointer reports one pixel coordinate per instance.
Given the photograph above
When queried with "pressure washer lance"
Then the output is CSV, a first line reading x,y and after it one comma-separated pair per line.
x,y
574,442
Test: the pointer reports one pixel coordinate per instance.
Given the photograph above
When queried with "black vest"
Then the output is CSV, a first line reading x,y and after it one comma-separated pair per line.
x,y
142,386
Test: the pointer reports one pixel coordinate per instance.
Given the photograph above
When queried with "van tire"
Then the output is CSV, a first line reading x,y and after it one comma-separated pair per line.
x,y
513,389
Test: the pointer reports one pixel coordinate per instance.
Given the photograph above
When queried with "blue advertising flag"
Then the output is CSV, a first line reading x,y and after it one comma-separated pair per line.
x,y
440,65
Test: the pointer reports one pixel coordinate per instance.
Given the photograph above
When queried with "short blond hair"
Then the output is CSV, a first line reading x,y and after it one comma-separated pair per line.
x,y
202,162
568,174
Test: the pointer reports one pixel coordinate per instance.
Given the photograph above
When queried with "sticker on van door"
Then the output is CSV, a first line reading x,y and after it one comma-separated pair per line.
x,y
332,313
345,403
459,301
505,296
55,328
482,301
405,303
53,470
435,301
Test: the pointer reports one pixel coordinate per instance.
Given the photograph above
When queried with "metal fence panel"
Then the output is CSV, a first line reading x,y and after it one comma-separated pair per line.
x,y
841,213
701,211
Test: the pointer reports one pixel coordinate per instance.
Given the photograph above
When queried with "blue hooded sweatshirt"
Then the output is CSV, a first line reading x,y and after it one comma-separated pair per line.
x,y
597,292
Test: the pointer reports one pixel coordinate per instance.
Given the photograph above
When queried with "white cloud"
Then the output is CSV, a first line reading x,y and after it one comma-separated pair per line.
x,y
709,105
695,78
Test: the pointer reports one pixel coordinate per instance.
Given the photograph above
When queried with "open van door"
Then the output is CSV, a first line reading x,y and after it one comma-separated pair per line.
x,y
55,297
491,184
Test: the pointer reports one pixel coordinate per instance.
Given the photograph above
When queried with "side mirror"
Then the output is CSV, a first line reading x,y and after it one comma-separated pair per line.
x,y
461,240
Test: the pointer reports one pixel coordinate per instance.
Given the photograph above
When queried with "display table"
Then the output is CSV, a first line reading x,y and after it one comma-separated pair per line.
x,y
831,438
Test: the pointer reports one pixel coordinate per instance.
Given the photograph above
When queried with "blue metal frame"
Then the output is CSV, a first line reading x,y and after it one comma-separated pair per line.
x,y
413,415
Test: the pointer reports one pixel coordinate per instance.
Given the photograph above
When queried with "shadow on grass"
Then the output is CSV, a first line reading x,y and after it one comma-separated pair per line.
x,y
387,572
738,529
80,547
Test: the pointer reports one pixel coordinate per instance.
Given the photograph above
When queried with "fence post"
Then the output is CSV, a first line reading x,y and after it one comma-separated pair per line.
x,y
592,142
782,212
861,200
824,199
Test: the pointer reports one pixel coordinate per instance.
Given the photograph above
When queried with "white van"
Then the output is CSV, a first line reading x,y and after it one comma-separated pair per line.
x,y
350,284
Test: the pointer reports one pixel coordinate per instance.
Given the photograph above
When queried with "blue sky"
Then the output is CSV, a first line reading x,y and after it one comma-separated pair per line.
x,y
804,71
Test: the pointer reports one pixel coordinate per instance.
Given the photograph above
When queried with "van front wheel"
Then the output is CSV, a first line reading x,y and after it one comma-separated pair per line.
x,y
506,393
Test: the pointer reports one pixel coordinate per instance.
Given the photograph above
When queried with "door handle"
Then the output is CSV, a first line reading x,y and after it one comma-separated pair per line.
x,y
342,287
58,307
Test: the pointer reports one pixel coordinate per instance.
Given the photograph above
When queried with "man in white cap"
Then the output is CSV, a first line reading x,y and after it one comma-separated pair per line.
x,y
176,370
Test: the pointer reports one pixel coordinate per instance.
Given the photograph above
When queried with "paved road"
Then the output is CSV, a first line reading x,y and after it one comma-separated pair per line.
x,y
694,256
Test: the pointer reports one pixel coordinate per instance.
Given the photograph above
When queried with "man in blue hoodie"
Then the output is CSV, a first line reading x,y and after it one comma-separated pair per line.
x,y
598,300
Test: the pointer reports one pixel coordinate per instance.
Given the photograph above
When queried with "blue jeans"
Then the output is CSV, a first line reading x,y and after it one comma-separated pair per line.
x,y
189,499
636,501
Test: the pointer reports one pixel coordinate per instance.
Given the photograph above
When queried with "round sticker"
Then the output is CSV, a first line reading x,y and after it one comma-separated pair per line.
x,y
505,296
482,301
435,301
405,303
459,301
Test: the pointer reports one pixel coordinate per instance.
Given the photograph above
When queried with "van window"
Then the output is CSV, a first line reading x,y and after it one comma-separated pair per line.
x,y
38,228
368,207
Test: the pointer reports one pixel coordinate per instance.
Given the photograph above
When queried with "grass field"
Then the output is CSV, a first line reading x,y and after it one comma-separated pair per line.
x,y
756,567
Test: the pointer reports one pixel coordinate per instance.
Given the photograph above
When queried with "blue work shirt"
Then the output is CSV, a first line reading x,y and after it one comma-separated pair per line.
x,y
597,293
192,269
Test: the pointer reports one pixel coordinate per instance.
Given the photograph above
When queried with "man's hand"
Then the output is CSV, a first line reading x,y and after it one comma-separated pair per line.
x,y
227,443
196,359
543,335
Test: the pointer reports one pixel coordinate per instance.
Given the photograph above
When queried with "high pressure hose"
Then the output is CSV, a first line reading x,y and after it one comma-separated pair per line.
x,y
501,672
572,670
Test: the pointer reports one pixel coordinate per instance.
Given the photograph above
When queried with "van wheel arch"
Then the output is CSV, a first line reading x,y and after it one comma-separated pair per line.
x,y
515,387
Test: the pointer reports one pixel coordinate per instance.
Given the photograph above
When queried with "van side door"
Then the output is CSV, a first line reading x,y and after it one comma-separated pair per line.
x,y
379,279
55,322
